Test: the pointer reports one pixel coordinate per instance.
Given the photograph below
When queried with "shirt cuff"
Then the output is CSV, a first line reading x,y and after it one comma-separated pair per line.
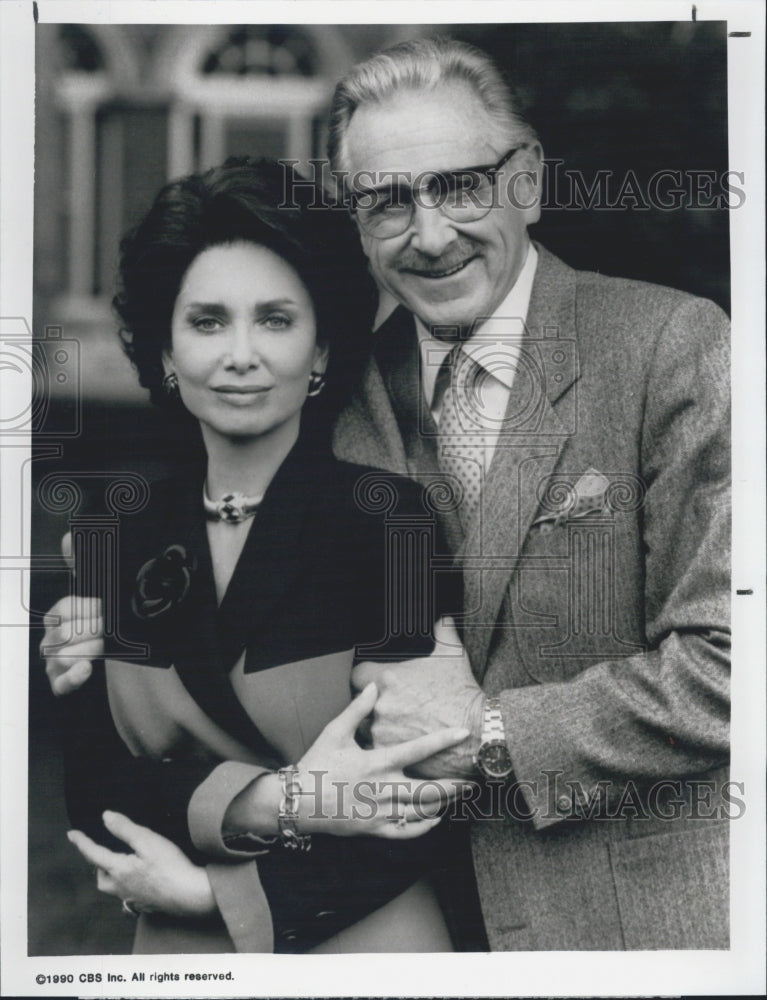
x,y
207,809
242,903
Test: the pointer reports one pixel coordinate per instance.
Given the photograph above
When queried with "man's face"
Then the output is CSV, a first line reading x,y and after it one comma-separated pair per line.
x,y
446,272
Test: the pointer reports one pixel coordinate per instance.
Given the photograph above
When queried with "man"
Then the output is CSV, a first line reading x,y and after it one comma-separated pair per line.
x,y
581,422
591,447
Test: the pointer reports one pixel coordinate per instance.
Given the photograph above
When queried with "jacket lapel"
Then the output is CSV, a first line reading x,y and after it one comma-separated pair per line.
x,y
367,431
271,559
400,364
192,633
208,640
538,423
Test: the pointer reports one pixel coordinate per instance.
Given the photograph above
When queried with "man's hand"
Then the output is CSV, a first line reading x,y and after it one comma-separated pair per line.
x,y
74,636
424,695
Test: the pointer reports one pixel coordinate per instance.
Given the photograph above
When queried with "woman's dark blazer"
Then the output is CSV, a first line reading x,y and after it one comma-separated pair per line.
x,y
340,561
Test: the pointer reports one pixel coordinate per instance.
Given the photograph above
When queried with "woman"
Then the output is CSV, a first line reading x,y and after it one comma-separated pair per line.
x,y
251,581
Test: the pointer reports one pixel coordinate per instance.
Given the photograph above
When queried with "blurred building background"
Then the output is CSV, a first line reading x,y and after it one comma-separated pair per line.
x,y
122,108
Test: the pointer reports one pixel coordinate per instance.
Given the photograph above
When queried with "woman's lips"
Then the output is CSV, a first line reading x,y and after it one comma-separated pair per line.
x,y
244,390
241,395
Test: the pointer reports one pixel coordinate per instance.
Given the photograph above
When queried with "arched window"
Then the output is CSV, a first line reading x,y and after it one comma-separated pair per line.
x,y
256,89
268,50
79,52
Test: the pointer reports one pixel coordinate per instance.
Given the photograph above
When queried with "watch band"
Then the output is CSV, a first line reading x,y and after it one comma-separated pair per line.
x,y
492,723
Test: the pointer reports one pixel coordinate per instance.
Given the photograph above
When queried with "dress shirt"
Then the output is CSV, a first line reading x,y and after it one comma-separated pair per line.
x,y
494,346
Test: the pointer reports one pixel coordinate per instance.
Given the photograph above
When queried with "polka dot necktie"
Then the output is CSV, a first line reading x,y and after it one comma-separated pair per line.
x,y
461,438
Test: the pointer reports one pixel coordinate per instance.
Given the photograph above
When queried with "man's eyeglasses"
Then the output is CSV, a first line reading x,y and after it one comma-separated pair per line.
x,y
464,195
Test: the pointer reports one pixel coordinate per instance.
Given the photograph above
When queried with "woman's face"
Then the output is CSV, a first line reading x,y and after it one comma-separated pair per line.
x,y
243,342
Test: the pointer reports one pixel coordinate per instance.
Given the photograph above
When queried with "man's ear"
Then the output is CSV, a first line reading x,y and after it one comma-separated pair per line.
x,y
526,188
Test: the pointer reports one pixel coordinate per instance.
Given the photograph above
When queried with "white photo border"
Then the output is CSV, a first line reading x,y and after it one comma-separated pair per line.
x,y
739,971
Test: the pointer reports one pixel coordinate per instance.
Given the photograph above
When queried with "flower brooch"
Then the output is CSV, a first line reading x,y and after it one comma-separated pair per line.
x,y
163,583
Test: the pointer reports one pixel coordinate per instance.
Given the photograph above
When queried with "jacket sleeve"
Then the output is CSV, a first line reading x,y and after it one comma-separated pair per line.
x,y
663,713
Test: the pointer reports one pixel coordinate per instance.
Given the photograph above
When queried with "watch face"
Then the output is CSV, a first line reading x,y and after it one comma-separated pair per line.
x,y
494,759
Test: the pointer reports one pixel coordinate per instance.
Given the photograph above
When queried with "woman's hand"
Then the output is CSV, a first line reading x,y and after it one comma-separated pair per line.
x,y
74,636
348,791
158,876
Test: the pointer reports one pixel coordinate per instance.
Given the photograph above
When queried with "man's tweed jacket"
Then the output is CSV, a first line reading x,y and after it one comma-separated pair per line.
x,y
597,604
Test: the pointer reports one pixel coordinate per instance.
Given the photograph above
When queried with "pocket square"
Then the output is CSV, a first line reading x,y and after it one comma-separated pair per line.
x,y
587,496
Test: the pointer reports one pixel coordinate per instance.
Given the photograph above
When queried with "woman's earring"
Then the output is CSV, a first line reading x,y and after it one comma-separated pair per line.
x,y
316,383
170,385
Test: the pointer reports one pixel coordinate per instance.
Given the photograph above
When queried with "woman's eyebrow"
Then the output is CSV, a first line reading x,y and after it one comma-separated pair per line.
x,y
275,303
220,307
206,306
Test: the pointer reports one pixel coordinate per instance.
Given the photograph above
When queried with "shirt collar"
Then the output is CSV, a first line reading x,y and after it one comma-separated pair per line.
x,y
504,328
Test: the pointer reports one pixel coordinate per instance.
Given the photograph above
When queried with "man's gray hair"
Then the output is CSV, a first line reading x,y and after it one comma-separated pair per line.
x,y
424,64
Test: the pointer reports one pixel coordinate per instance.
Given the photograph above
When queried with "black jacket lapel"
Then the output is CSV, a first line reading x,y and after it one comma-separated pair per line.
x,y
195,645
271,558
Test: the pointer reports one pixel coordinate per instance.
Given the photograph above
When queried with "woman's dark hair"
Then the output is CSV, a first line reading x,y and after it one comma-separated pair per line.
x,y
257,201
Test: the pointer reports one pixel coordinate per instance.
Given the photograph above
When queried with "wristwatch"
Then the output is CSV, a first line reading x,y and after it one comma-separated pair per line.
x,y
493,758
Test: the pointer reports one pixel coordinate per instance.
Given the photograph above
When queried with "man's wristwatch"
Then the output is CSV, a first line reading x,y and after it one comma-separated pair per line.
x,y
493,758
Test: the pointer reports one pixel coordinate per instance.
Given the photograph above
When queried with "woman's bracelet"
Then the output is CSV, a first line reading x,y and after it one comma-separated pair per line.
x,y
290,785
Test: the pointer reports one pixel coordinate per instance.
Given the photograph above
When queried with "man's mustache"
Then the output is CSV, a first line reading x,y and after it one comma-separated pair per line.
x,y
459,252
